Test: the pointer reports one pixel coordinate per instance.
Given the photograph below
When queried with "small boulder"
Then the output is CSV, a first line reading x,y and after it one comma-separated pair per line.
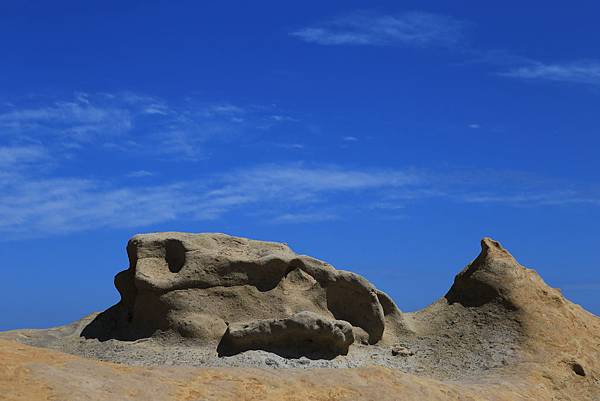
x,y
303,334
399,350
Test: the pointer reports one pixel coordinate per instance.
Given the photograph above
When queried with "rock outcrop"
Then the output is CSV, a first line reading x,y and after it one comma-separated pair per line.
x,y
492,276
195,285
499,333
303,334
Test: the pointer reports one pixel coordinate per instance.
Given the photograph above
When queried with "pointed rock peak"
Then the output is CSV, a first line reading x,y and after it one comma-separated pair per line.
x,y
490,276
493,257
492,248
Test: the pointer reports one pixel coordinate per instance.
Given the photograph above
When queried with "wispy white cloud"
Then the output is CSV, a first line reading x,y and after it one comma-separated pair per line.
x,y
420,29
36,201
132,122
30,205
350,138
526,68
295,218
574,72
532,198
280,118
42,207
290,145
56,205
363,28
497,57
16,160
221,109
77,120
140,174
299,181
13,157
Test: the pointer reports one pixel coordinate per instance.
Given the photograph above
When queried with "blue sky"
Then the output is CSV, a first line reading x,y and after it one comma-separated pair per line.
x,y
384,137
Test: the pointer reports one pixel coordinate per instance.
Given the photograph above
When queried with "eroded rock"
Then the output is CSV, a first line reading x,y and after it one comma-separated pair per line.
x,y
490,277
302,334
194,285
498,319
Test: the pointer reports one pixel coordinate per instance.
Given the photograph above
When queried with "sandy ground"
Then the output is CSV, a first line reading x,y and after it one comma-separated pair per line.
x,y
28,373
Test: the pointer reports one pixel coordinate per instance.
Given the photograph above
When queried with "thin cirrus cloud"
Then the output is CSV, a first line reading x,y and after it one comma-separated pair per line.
x,y
77,119
277,193
575,72
140,174
46,206
132,122
548,198
422,29
18,156
417,29
308,217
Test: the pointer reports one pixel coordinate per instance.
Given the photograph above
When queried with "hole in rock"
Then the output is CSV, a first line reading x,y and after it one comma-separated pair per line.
x,y
174,255
578,369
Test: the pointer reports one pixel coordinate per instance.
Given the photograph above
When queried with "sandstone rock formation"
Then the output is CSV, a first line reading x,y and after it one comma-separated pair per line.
x,y
302,334
195,285
211,300
493,276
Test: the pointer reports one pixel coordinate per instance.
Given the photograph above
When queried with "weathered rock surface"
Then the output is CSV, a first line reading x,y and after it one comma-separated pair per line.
x,y
492,276
303,334
500,333
197,284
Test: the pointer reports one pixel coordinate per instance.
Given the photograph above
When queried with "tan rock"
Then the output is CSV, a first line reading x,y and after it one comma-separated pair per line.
x,y
500,333
302,334
180,282
399,350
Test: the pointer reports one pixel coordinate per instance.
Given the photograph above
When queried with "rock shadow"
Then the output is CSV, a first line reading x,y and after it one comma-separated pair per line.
x,y
294,350
113,324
